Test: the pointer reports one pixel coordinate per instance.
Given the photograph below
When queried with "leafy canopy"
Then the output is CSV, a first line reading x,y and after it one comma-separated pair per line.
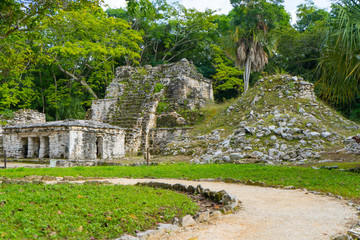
x,y
339,65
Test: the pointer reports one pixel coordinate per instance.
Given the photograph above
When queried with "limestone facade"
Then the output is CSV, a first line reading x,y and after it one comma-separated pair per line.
x,y
69,139
125,121
134,97
21,117
161,137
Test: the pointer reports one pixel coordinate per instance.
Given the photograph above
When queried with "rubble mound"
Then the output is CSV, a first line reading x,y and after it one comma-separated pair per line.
x,y
277,121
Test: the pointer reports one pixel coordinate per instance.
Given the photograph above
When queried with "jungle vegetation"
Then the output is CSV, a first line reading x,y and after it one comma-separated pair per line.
x,y
58,55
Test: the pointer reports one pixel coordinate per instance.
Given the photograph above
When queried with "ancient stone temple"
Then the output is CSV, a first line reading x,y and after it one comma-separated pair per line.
x,y
20,117
144,107
69,139
139,99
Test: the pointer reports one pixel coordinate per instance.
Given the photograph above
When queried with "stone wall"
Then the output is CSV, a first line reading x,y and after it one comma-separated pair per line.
x,y
27,116
305,89
21,117
161,137
100,107
74,140
133,98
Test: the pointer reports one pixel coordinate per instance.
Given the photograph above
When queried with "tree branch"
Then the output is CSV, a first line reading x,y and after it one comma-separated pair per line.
x,y
79,80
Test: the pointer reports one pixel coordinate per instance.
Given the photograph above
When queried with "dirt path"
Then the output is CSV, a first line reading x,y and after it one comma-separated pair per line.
x,y
268,213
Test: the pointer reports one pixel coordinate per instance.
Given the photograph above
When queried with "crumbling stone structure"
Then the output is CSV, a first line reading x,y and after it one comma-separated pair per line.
x,y
137,101
69,139
21,117
137,96
161,137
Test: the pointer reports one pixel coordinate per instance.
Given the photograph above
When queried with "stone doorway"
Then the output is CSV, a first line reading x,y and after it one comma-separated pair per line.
x,y
24,148
99,147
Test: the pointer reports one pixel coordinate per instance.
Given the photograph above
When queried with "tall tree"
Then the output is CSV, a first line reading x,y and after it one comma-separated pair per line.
x,y
19,20
308,15
25,15
253,21
170,31
339,64
83,43
298,47
227,82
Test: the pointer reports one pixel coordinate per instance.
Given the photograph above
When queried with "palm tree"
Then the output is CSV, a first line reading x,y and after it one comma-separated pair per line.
x,y
252,53
254,21
339,65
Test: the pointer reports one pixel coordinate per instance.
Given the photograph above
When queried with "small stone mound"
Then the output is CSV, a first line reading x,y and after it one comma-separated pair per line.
x,y
278,121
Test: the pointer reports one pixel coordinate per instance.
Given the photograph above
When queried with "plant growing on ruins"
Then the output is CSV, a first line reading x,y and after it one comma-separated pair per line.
x,y
7,114
163,106
141,71
158,87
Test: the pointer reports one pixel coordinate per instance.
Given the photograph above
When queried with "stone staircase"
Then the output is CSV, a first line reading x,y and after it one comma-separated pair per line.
x,y
135,110
133,96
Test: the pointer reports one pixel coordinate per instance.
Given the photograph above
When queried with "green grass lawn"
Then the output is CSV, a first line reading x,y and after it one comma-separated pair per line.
x,y
337,182
69,211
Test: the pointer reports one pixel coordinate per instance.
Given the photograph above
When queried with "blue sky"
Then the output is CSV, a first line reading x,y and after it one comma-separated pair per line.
x,y
224,5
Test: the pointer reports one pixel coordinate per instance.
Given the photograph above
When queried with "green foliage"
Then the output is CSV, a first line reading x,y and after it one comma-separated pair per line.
x,y
170,31
16,86
341,183
308,15
85,43
85,211
214,116
7,114
299,48
158,87
254,22
142,71
70,54
339,65
25,16
259,14
227,79
163,107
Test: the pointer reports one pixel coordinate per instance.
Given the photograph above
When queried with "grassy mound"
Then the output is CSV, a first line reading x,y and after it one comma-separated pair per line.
x,y
85,211
279,120
278,93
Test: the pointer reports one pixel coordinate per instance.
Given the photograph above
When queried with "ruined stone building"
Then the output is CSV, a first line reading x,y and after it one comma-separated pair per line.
x,y
143,106
151,102
21,117
69,139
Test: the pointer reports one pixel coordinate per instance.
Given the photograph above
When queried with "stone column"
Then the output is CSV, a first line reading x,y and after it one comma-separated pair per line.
x,y
30,147
36,144
42,148
53,150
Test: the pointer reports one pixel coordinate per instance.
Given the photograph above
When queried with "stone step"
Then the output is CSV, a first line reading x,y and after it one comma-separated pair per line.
x,y
135,97
129,104
122,119
128,113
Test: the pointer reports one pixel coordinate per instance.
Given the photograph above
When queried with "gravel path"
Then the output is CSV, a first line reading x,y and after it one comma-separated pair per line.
x,y
267,213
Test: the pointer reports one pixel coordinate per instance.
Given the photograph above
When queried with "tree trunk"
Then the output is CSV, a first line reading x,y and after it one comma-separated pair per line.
x,y
55,84
79,80
247,72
